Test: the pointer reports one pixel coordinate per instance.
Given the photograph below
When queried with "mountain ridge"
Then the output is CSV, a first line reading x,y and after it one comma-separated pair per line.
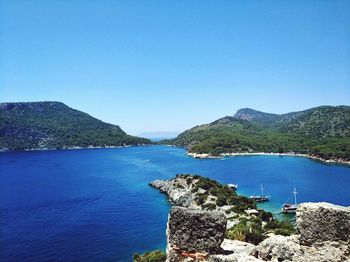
x,y
52,124
323,131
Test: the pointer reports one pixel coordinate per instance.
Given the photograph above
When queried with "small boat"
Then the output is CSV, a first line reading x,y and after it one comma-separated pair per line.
x,y
262,197
291,208
233,186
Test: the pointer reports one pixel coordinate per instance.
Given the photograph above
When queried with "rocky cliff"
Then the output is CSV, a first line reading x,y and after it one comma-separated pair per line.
x,y
201,193
195,233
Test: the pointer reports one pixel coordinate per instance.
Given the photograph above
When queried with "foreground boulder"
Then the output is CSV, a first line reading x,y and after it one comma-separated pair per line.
x,y
320,222
279,248
193,230
324,235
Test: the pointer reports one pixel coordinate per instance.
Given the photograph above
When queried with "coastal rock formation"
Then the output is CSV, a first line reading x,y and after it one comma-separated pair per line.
x,y
320,222
177,191
193,230
196,233
193,235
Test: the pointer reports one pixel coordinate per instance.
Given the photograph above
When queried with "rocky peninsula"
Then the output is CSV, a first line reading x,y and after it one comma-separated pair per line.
x,y
210,222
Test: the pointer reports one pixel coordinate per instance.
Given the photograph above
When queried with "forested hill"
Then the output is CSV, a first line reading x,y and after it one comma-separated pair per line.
x,y
39,125
323,131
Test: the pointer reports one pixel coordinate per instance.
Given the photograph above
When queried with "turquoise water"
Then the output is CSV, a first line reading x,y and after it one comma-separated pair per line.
x,y
96,205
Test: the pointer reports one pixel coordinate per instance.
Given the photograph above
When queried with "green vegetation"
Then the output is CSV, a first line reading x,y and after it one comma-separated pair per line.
x,y
55,125
322,131
154,256
224,196
248,230
253,230
209,206
284,228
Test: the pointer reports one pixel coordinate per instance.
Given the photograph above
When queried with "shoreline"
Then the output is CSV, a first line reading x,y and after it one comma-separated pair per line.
x,y
210,156
69,148
195,155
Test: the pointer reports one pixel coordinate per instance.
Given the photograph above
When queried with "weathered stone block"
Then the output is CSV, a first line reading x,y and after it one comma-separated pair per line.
x,y
193,230
319,222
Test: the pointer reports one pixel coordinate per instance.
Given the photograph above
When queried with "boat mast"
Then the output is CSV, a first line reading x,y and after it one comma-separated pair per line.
x,y
262,190
295,196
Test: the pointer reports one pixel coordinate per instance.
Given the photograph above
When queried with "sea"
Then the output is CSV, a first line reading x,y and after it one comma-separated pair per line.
x,y
96,204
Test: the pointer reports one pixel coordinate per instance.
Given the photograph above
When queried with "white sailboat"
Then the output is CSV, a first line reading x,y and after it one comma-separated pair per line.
x,y
291,208
262,197
233,186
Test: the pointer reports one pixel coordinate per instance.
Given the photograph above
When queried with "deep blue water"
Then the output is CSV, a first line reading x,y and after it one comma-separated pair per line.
x,y
96,205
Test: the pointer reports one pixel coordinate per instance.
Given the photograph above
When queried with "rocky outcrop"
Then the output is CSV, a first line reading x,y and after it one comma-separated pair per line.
x,y
320,222
177,190
195,235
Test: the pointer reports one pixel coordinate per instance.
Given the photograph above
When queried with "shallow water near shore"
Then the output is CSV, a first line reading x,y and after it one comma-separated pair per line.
x,y
96,205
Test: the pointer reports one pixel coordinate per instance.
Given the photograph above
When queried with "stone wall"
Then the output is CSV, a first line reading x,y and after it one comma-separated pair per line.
x,y
324,235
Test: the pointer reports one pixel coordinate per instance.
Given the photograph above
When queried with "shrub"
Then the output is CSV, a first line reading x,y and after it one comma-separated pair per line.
x,y
221,201
189,180
265,216
209,206
284,228
248,230
179,186
154,256
236,234
200,200
283,232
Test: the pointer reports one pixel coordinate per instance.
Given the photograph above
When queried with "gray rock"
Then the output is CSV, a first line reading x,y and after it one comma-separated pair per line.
x,y
319,222
233,258
278,248
325,252
193,230
238,247
180,196
235,251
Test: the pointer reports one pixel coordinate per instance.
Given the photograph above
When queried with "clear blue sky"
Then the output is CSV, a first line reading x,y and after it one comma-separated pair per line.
x,y
169,65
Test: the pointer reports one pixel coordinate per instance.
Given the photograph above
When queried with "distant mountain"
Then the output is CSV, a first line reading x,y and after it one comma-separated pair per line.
x,y
159,134
39,125
323,131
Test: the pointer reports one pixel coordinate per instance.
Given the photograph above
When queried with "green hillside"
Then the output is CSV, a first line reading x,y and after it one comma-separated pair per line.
x,y
54,125
322,131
